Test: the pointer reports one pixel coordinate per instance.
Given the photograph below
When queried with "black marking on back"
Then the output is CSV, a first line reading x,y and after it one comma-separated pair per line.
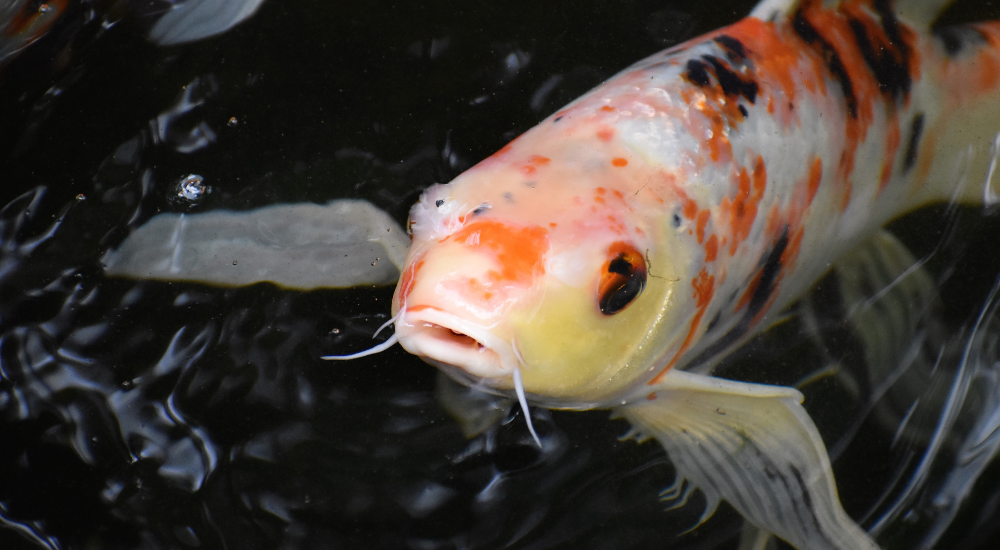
x,y
735,50
768,276
916,128
697,73
744,111
769,269
731,82
956,38
890,66
808,33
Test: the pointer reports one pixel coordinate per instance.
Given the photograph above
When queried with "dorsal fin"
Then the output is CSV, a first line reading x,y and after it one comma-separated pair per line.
x,y
919,13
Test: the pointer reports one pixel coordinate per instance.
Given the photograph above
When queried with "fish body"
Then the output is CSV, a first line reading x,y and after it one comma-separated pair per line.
x,y
611,255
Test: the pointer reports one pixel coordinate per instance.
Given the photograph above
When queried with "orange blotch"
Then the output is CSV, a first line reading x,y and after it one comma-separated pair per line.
x,y
608,108
700,224
711,248
891,147
528,170
519,251
815,176
406,281
619,162
538,160
651,396
741,210
605,134
599,199
704,289
689,208
553,224
618,194
601,190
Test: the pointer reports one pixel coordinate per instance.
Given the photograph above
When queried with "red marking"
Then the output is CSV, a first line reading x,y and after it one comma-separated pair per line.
x,y
891,146
741,210
601,190
618,194
711,248
815,176
406,281
619,162
608,108
689,208
605,135
528,170
599,199
651,397
538,160
750,291
553,224
704,288
520,251
700,224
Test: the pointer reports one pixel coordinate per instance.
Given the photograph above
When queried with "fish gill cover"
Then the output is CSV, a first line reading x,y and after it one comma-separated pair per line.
x,y
172,415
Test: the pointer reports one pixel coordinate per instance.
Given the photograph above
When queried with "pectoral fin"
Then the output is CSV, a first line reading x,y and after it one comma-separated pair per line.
x,y
474,410
754,446
301,246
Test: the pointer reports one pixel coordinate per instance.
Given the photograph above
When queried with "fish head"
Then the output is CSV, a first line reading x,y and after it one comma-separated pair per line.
x,y
547,263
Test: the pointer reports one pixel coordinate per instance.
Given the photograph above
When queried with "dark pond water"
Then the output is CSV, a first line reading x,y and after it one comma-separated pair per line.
x,y
165,415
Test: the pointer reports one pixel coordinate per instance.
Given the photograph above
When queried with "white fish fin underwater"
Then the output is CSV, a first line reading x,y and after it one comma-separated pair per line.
x,y
755,447
920,13
190,20
341,244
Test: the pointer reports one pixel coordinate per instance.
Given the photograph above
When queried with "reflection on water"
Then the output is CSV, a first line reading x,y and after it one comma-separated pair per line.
x,y
159,415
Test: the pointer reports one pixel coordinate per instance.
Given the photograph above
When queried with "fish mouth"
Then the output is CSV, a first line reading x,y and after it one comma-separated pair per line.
x,y
446,338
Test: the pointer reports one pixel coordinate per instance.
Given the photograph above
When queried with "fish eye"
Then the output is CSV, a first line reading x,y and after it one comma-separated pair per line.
x,y
622,278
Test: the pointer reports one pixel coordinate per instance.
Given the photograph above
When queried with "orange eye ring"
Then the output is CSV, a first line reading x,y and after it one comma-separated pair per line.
x,y
622,278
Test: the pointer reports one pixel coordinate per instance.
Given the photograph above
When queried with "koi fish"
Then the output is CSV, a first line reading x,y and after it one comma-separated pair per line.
x,y
612,255
608,257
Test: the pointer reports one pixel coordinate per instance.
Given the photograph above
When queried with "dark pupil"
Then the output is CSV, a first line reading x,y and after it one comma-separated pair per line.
x,y
623,283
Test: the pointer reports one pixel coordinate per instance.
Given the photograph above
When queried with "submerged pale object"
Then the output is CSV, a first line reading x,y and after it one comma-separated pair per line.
x,y
301,246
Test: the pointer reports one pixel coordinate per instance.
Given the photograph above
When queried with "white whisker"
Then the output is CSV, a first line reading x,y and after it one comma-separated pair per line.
x,y
519,390
389,322
371,351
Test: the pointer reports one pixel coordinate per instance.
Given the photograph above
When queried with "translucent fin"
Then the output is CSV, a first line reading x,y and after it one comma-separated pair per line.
x,y
755,538
754,446
341,244
474,410
190,20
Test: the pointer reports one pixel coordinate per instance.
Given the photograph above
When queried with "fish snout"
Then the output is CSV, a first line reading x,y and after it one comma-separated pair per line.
x,y
446,338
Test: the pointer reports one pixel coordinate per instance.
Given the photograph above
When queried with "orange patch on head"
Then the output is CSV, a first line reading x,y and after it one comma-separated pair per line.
x,y
519,251
406,281
619,162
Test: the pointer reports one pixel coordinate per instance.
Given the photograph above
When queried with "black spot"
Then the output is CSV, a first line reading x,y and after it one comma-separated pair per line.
x,y
508,196
744,111
438,203
531,184
956,38
768,276
480,209
557,119
735,50
731,82
890,66
834,65
697,73
677,220
916,128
